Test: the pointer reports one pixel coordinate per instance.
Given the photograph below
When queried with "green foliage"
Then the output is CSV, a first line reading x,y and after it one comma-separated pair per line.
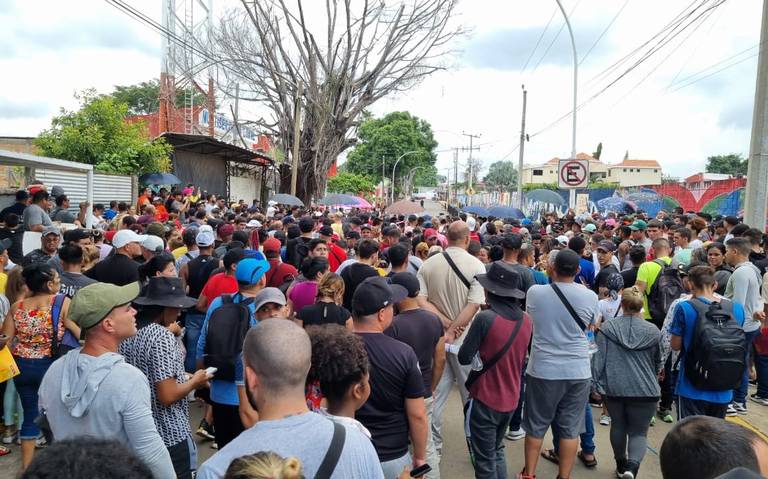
x,y
540,186
733,164
501,176
350,183
598,151
144,97
595,185
386,139
97,134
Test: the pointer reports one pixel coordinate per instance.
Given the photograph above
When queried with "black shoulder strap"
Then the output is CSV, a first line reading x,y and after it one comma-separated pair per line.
x,y
456,269
568,306
325,471
496,357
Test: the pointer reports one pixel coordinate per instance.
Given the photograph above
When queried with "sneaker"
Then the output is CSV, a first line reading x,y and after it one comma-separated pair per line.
x,y
214,445
625,475
515,435
740,407
40,442
206,431
754,397
605,420
10,434
653,421
731,411
665,415
523,475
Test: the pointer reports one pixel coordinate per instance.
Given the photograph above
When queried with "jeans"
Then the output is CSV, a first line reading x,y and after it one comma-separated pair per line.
x,y
629,428
192,328
393,468
184,458
696,407
31,372
13,413
586,438
740,393
453,372
667,386
433,459
226,420
761,366
486,428
517,417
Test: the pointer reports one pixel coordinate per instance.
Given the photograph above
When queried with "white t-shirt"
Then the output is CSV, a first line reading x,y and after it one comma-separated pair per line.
x,y
609,307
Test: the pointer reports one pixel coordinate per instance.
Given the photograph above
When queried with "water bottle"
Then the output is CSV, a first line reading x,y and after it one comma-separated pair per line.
x,y
477,362
591,344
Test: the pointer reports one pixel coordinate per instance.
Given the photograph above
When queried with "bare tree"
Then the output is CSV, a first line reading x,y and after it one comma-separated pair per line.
x,y
345,61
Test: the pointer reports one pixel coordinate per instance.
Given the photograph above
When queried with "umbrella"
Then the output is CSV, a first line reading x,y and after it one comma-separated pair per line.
x,y
159,179
286,199
361,203
404,207
615,203
545,196
476,210
338,199
506,212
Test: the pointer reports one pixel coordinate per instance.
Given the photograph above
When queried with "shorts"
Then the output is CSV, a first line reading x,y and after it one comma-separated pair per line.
x,y
556,402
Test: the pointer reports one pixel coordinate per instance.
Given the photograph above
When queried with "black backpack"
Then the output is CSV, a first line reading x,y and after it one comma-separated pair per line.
x,y
715,360
301,251
227,328
667,288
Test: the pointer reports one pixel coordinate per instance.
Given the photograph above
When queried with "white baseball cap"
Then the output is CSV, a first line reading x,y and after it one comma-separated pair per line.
x,y
153,243
471,222
123,237
253,224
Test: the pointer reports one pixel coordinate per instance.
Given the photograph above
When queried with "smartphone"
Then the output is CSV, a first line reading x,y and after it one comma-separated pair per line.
x,y
421,470
210,371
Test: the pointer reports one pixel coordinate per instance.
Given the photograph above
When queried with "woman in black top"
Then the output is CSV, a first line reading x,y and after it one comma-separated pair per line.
x,y
327,308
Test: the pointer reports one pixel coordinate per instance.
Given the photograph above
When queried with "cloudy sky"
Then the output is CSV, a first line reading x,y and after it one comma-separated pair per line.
x,y
675,107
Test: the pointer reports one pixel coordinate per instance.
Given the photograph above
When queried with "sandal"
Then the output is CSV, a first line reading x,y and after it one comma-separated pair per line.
x,y
590,463
549,455
4,451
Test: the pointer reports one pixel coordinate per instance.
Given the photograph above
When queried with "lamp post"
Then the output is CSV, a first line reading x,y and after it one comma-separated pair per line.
x,y
395,168
572,193
410,177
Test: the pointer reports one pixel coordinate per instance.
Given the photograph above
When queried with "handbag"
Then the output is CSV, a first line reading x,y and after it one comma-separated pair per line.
x,y
8,367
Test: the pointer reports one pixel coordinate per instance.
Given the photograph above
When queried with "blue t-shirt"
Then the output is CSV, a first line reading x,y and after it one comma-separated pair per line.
x,y
683,325
587,274
224,392
539,277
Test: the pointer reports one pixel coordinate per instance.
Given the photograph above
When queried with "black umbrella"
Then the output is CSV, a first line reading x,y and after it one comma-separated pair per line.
x,y
544,196
159,179
286,199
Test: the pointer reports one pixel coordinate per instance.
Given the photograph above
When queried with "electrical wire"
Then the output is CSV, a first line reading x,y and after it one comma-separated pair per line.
x,y
715,72
536,47
555,37
610,24
715,65
695,50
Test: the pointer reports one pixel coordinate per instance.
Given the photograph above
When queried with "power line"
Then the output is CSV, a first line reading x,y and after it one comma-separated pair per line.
x,y
555,38
714,65
695,50
610,24
715,72
536,47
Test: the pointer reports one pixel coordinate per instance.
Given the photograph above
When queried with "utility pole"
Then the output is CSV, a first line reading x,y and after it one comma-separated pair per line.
x,y
455,173
756,196
469,160
296,139
520,160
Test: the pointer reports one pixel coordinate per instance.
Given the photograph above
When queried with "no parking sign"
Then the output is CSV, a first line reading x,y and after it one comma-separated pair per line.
x,y
573,173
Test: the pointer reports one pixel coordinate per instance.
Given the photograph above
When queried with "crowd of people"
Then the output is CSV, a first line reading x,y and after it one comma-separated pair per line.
x,y
326,344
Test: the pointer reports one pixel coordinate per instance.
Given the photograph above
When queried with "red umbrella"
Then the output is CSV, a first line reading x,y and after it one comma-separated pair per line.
x,y
404,207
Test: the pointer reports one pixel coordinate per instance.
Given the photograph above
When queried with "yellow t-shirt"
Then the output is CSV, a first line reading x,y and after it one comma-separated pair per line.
x,y
179,252
649,273
3,282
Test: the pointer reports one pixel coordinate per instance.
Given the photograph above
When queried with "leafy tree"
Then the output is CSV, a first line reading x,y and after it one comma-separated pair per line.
x,y
144,97
501,176
98,134
598,151
733,164
387,139
350,183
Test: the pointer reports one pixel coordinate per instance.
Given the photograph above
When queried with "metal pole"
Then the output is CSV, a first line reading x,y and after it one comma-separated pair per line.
x,y
383,177
296,140
520,159
572,195
756,196
395,168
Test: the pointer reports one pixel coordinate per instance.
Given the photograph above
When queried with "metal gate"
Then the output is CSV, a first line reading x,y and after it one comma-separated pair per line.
x,y
105,187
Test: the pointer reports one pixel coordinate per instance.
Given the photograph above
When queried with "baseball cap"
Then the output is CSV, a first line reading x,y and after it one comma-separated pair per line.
x,y
407,281
251,269
638,225
205,236
589,228
606,245
153,243
610,222
365,227
5,244
123,237
352,235
271,244
326,231
94,302
471,222
76,234
156,229
253,224
269,295
563,240
226,229
374,294
567,262
51,230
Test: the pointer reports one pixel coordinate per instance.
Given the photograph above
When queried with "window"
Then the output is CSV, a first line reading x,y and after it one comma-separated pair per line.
x,y
625,170
538,172
655,171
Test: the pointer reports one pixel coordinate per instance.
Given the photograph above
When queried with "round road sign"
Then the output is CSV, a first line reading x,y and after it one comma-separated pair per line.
x,y
573,173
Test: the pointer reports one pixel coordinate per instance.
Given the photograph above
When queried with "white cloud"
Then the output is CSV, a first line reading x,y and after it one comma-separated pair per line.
x,y
50,49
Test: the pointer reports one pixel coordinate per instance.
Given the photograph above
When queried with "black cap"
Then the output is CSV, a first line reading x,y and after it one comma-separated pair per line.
x,y
365,227
375,294
352,235
5,244
567,262
502,280
71,236
326,231
409,281
512,241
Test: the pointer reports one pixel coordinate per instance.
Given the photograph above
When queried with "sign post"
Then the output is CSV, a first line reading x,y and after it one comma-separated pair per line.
x,y
573,174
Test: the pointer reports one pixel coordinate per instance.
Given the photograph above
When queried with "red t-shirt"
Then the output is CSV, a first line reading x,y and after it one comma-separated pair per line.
x,y
217,285
336,256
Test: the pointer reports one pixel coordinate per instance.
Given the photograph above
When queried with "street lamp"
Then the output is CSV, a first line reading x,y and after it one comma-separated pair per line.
x,y
572,194
410,176
395,167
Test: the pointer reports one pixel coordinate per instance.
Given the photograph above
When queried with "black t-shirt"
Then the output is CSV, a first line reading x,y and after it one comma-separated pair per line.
x,y
421,330
353,275
323,313
394,377
16,235
630,276
602,276
760,261
115,269
17,208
